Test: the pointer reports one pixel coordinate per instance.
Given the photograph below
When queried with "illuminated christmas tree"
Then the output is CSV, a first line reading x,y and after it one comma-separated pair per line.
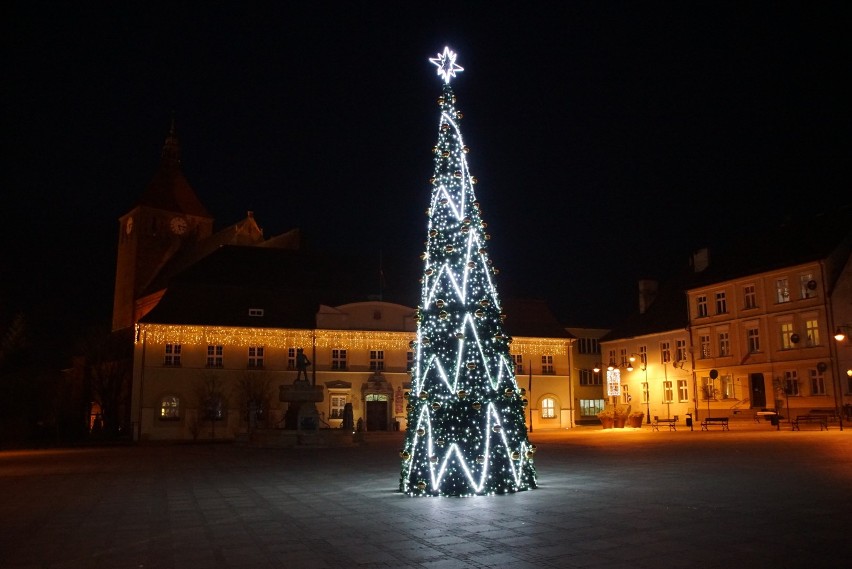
x,y
466,433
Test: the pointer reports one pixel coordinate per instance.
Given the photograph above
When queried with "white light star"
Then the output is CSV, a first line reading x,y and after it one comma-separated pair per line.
x,y
446,63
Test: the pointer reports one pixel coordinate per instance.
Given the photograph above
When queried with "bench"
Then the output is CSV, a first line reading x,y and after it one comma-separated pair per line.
x,y
831,415
819,419
764,414
723,421
672,423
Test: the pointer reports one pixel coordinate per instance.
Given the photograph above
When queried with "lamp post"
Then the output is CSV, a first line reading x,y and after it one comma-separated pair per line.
x,y
839,336
645,393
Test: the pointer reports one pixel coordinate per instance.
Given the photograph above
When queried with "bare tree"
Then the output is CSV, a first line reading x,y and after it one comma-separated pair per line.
x,y
212,401
108,373
253,394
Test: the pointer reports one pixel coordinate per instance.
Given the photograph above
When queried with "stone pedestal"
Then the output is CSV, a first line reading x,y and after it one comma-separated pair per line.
x,y
302,397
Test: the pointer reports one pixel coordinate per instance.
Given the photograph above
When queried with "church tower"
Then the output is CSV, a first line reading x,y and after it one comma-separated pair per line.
x,y
168,220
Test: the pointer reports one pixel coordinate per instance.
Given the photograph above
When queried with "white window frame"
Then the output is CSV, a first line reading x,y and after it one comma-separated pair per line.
x,y
256,356
548,408
173,355
215,355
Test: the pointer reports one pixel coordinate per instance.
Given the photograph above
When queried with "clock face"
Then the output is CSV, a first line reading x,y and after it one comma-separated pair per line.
x,y
178,225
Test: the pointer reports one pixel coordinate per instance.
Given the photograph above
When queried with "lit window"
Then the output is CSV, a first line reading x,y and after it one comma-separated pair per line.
x,y
548,408
591,407
668,392
172,355
170,408
708,389
337,405
727,386
786,335
682,390
812,331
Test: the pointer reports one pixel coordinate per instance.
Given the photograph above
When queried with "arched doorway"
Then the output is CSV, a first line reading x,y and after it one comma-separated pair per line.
x,y
378,399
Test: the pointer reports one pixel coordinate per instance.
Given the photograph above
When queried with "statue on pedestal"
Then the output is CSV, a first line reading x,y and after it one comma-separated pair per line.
x,y
302,363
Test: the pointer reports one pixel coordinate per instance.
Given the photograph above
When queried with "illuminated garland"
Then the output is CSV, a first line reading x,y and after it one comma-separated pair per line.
x,y
466,432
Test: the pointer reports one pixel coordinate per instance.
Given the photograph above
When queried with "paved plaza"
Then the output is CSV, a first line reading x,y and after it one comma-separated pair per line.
x,y
752,497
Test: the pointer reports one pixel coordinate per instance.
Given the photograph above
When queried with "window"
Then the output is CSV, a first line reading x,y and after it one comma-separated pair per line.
x,y
519,363
807,286
724,344
682,390
337,402
787,336
547,365
255,356
409,361
708,390
172,355
169,408
338,359
291,358
591,407
749,297
665,352
791,382
646,393
256,312
588,346
704,346
611,359
782,290
377,360
721,303
753,339
701,305
643,356
214,356
589,377
622,355
548,408
668,392
812,331
625,395
727,386
680,350
817,382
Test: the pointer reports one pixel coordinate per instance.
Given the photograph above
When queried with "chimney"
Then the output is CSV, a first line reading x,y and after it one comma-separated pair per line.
x,y
700,260
647,293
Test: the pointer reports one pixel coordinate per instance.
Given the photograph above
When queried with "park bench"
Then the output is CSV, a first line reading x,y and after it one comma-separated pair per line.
x,y
723,421
831,415
821,420
672,423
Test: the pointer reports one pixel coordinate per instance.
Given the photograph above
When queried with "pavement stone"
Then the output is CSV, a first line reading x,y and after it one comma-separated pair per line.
x,y
750,497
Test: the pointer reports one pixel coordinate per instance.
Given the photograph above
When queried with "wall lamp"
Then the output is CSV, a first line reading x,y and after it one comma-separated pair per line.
x,y
839,334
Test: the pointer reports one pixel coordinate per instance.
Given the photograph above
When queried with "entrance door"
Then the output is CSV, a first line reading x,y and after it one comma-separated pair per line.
x,y
377,415
758,390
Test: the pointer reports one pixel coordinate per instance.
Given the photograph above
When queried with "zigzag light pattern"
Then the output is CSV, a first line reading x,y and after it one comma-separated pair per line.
x,y
466,430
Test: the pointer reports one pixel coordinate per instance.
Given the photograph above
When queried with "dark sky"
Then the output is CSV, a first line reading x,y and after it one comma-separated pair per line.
x,y
610,138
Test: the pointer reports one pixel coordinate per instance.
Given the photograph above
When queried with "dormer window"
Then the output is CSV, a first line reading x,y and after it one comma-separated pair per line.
x,y
258,312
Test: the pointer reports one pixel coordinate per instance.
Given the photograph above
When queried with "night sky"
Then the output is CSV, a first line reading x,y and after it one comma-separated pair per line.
x,y
610,139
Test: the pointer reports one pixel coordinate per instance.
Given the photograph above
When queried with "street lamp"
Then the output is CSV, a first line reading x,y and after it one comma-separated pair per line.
x,y
839,336
645,394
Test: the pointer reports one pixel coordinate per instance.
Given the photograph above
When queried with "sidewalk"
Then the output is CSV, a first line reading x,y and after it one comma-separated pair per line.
x,y
750,497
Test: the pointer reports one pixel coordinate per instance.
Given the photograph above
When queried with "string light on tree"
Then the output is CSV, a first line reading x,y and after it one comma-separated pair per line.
x,y
466,430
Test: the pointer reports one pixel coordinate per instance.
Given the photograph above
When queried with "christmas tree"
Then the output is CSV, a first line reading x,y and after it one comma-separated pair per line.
x,y
466,433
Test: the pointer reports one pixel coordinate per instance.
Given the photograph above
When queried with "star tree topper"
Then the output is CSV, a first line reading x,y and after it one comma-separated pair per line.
x,y
446,63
